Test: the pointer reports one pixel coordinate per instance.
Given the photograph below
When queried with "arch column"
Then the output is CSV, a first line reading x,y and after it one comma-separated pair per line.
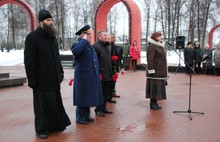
x,y
211,34
27,8
134,19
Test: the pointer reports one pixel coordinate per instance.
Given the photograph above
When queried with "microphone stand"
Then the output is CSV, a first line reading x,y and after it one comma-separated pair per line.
x,y
190,84
179,61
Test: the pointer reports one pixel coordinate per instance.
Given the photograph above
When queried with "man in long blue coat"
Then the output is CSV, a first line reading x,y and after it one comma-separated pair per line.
x,y
87,90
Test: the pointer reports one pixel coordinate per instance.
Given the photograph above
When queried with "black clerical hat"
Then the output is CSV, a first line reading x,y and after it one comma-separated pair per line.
x,y
44,14
83,29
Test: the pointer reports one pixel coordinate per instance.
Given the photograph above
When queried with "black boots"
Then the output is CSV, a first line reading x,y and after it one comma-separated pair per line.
x,y
154,105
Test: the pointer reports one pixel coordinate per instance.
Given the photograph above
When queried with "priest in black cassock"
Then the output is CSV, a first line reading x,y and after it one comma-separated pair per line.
x,y
45,73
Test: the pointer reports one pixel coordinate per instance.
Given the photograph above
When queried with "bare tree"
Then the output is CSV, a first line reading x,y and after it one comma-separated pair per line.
x,y
147,16
12,25
112,20
172,17
206,6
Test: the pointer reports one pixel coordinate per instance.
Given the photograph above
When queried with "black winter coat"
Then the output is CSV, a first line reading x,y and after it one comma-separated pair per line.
x,y
104,59
189,55
42,61
116,51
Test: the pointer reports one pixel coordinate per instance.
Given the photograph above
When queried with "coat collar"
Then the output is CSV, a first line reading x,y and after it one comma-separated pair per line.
x,y
41,31
156,43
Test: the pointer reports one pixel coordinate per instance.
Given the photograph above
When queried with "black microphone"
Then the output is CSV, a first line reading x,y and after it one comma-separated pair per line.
x,y
169,43
214,48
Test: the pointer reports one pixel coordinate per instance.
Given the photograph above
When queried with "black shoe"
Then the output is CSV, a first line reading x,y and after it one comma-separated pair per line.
x,y
100,113
89,119
82,122
115,95
107,111
42,136
112,101
154,107
158,105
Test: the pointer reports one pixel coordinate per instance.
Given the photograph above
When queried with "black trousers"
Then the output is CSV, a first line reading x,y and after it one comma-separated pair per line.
x,y
134,64
198,68
50,115
217,71
188,69
126,63
107,89
113,90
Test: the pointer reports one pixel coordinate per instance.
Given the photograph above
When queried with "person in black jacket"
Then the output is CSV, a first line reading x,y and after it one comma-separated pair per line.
x,y
45,73
104,59
116,65
189,57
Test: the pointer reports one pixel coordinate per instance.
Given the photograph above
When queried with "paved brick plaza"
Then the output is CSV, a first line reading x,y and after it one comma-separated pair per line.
x,y
132,119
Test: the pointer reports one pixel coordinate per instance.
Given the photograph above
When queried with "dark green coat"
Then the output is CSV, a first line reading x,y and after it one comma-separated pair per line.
x,y
197,55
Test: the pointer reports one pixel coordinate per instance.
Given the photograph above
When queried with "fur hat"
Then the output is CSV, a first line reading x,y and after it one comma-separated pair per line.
x,y
44,14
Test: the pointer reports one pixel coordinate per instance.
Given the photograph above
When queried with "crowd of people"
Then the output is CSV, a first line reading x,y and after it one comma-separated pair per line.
x,y
96,72
200,60
95,75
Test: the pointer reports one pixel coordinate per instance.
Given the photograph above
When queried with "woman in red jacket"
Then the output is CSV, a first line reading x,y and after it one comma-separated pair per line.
x,y
134,54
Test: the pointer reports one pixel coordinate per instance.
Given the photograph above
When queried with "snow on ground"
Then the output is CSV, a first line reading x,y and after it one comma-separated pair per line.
x,y
13,57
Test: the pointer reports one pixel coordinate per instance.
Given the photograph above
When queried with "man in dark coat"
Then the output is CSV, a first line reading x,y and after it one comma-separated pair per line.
x,y
189,57
45,73
104,59
87,91
116,65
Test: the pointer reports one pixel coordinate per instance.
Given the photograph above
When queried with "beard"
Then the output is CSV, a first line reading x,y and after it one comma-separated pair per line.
x,y
50,30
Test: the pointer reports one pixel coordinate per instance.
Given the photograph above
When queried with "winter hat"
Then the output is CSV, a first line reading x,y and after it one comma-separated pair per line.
x,y
44,14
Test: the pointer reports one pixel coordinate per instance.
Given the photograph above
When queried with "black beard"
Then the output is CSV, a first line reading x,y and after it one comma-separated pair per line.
x,y
50,30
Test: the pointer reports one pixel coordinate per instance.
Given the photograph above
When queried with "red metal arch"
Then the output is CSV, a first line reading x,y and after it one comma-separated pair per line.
x,y
134,18
211,35
27,8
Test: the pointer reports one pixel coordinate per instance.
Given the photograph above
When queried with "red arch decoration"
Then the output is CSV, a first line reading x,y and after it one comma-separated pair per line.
x,y
134,19
27,8
211,35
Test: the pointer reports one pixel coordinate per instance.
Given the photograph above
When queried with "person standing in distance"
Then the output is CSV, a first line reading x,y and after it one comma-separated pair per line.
x,y
189,57
156,70
87,89
126,55
45,73
134,54
198,57
216,59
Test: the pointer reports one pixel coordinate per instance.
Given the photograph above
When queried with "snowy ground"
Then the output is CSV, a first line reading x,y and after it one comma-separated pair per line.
x,y
13,58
